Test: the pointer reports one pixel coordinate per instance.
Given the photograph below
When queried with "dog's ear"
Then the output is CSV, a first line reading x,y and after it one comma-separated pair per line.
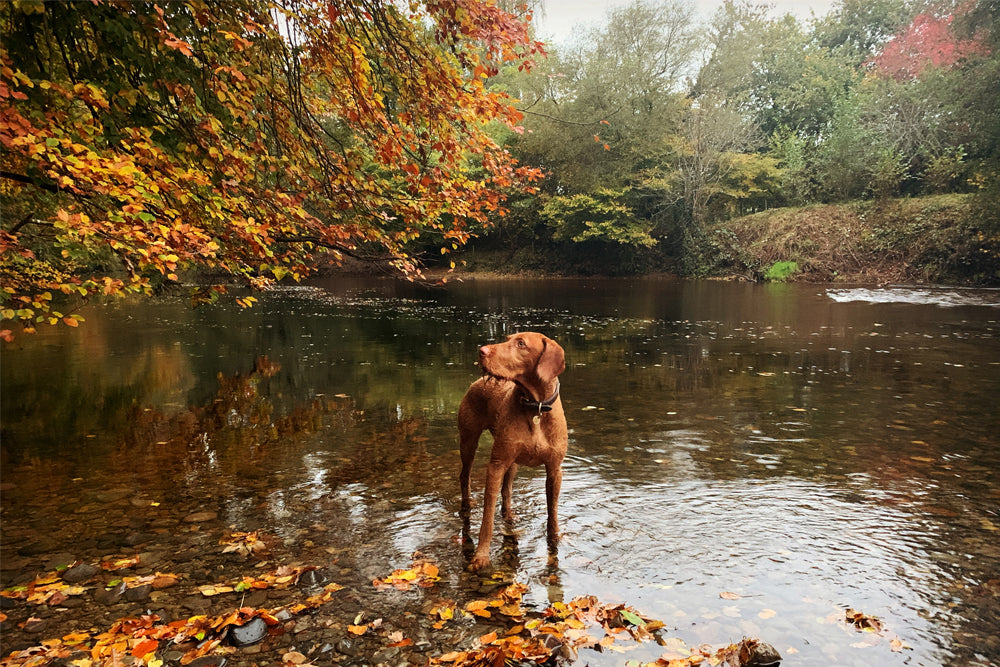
x,y
552,361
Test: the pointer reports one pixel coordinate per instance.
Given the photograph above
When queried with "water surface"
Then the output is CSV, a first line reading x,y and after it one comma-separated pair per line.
x,y
809,449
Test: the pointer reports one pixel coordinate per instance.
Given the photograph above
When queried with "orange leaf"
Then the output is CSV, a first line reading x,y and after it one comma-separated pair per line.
x,y
144,648
357,629
70,322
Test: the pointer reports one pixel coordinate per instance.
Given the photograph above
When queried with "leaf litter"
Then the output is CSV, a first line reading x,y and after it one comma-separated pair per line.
x,y
555,634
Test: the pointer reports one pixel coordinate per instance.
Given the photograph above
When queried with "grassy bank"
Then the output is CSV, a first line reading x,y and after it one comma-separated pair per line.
x,y
936,239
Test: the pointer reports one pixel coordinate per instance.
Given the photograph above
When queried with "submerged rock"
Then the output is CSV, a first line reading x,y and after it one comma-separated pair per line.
x,y
758,654
253,631
110,596
138,593
78,573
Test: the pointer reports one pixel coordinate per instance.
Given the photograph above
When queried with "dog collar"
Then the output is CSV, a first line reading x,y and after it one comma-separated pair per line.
x,y
541,406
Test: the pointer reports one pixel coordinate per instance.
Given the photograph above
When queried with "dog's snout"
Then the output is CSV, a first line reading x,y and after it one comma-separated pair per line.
x,y
484,351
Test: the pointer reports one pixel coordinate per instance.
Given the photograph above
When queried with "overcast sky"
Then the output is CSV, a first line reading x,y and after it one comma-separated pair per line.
x,y
559,17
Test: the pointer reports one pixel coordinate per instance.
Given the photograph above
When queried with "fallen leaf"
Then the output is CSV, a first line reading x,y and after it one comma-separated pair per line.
x,y
144,648
726,595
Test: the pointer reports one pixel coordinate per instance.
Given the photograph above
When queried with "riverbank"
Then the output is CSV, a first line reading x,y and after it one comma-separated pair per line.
x,y
922,240
940,239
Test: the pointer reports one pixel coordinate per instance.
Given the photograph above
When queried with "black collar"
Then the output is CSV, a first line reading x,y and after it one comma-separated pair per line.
x,y
540,406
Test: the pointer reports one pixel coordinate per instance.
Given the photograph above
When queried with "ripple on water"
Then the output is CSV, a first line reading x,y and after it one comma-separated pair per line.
x,y
935,296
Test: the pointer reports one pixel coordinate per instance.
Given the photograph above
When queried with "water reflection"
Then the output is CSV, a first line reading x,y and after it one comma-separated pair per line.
x,y
808,451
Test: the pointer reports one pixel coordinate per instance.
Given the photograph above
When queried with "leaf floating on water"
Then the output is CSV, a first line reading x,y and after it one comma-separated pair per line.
x,y
726,595
863,622
630,617
898,645
479,608
245,544
210,590
423,574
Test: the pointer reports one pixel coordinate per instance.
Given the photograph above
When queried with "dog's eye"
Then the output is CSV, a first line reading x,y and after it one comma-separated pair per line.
x,y
521,343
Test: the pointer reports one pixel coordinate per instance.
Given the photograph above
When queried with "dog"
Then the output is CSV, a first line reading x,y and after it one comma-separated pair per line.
x,y
518,401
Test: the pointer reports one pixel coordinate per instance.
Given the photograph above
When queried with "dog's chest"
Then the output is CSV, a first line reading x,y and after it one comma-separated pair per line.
x,y
542,442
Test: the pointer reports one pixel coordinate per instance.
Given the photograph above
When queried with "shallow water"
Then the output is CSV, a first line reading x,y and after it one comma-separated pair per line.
x,y
809,449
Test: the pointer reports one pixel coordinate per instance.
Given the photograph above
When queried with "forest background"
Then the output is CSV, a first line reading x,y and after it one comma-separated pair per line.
x,y
144,143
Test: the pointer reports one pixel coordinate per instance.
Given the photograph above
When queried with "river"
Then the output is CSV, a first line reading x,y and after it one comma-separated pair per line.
x,y
745,460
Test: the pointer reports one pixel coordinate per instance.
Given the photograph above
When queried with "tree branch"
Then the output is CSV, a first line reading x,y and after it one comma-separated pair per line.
x,y
21,178
570,122
315,240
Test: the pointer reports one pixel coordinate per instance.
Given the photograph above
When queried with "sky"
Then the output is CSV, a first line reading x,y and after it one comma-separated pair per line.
x,y
560,17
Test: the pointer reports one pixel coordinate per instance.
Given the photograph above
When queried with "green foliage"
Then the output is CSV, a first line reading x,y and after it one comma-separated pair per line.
x,y
944,171
781,271
887,173
603,215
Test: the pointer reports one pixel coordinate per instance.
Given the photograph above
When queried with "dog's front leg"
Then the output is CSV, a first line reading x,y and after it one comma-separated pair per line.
x,y
494,478
553,482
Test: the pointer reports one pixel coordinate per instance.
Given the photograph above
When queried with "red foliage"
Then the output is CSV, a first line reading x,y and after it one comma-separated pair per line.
x,y
929,41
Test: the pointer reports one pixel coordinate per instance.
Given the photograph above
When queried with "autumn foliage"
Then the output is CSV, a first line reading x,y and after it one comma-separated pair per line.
x,y
243,138
930,40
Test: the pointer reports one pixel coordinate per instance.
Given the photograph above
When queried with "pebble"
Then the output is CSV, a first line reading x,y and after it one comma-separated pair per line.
x,y
198,605
35,625
164,581
199,517
110,596
348,648
60,560
138,593
252,632
78,573
208,661
150,558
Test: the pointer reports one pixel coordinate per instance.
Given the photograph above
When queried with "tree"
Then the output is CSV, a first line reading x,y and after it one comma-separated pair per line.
x,y
597,115
711,155
860,27
928,41
141,139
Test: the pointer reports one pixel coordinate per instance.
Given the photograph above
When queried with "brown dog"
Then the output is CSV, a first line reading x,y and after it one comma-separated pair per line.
x,y
517,399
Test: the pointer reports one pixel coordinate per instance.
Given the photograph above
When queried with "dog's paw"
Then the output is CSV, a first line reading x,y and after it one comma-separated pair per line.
x,y
479,561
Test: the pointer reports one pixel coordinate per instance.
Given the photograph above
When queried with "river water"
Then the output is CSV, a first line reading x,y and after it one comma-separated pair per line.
x,y
745,460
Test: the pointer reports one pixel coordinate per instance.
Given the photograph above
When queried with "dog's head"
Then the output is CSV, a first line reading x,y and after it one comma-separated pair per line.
x,y
528,358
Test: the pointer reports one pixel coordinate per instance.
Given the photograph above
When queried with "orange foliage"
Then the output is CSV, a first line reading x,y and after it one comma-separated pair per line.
x,y
243,138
